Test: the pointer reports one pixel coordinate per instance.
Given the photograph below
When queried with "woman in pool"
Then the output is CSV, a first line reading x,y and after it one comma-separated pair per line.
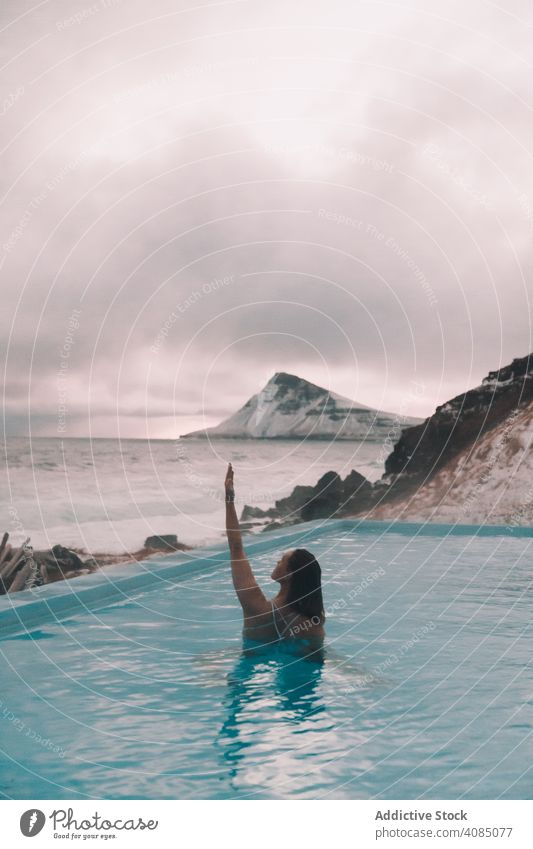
x,y
297,610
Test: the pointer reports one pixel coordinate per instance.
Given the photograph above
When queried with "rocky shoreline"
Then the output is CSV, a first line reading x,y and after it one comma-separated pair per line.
x,y
24,568
439,468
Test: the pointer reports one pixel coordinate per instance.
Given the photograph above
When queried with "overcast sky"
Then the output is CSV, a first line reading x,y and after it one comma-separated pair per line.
x,y
196,195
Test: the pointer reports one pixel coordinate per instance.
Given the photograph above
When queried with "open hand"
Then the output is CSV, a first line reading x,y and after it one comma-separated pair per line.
x,y
228,483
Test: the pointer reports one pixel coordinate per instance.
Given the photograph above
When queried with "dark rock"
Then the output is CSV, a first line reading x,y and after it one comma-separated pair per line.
x,y
289,506
354,483
330,497
164,542
66,556
456,426
326,499
293,503
58,562
357,494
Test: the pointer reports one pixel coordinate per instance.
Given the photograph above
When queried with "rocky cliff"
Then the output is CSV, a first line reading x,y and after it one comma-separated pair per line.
x,y
487,481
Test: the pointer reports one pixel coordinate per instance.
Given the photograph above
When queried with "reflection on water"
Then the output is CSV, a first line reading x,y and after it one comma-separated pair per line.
x,y
280,715
280,682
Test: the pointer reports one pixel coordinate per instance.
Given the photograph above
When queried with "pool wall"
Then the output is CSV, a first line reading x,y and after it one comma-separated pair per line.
x,y
26,611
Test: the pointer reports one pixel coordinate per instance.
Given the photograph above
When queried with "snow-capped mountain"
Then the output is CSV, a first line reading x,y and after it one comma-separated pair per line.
x,y
289,407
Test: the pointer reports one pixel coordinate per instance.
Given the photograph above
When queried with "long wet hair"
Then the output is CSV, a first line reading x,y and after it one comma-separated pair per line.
x,y
305,585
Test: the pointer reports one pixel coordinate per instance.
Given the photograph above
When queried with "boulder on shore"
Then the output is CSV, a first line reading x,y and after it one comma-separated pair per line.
x,y
325,500
331,496
163,542
59,562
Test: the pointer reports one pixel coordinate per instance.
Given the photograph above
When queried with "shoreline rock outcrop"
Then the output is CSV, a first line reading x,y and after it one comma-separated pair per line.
x,y
331,496
23,568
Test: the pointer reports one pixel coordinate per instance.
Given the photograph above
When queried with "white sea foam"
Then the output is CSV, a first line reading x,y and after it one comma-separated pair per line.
x,y
107,495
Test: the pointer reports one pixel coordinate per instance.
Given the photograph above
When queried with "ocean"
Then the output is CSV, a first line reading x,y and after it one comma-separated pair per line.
x,y
108,495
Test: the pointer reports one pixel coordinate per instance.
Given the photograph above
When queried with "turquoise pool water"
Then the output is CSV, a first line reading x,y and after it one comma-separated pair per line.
x,y
425,688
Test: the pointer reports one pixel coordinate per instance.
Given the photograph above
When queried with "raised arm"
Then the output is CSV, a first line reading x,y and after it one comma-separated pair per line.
x,y
252,600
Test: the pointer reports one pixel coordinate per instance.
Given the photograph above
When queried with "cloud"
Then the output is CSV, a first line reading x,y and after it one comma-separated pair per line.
x,y
223,192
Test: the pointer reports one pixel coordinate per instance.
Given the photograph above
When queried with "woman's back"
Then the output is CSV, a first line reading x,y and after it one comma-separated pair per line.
x,y
282,623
